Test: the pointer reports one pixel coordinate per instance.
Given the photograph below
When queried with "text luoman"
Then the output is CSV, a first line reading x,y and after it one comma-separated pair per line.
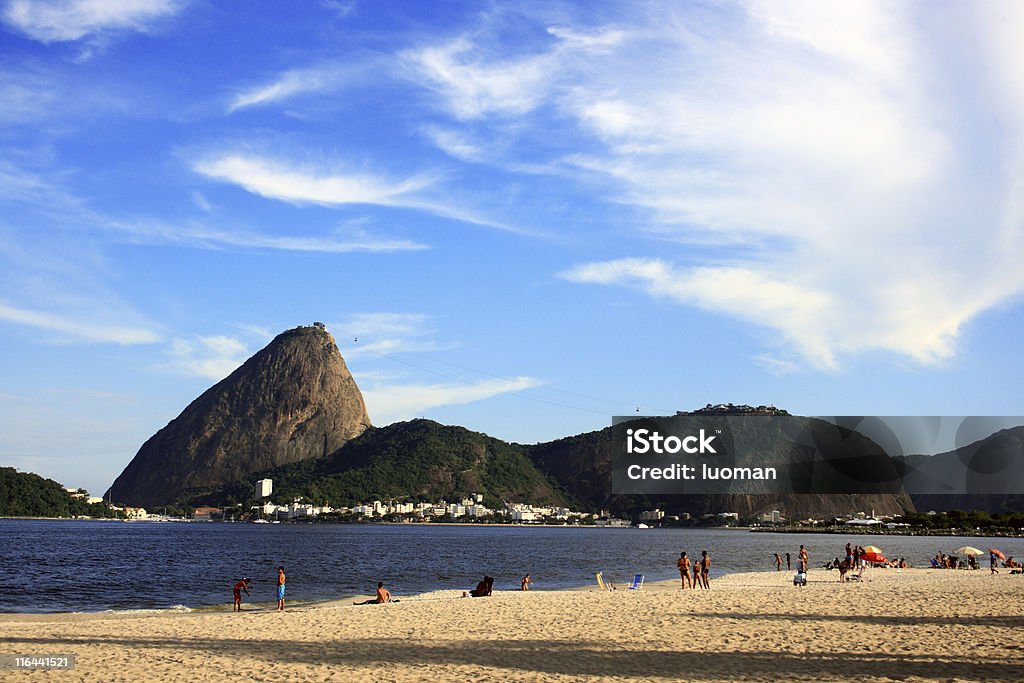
x,y
689,472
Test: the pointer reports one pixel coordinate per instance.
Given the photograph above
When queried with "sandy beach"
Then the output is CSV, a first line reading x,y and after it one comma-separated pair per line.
x,y
898,625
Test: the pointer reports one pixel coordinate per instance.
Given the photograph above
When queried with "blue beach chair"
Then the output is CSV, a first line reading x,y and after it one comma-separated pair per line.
x,y
638,580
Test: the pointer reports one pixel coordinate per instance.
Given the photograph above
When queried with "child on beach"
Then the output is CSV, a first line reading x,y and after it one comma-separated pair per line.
x,y
696,575
242,585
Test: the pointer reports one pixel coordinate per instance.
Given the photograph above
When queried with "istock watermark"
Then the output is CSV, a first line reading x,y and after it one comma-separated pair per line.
x,y
783,454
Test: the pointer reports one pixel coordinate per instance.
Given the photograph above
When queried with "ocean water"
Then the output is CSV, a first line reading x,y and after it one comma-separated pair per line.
x,y
86,566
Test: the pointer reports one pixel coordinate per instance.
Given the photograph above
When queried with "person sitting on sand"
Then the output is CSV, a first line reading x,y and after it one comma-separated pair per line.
x,y
484,588
383,595
242,585
684,570
526,583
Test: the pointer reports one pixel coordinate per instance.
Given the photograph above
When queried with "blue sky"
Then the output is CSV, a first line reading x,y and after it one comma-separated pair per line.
x,y
533,216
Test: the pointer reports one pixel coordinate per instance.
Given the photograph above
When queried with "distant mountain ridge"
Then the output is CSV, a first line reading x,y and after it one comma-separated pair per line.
x,y
294,412
293,400
987,474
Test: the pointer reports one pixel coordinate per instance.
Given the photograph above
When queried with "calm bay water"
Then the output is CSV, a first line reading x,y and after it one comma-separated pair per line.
x,y
81,566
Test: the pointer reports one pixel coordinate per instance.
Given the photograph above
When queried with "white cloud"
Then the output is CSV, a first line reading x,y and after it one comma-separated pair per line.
x,y
213,357
457,144
386,332
293,183
850,200
473,88
51,21
287,85
280,180
200,236
406,401
68,328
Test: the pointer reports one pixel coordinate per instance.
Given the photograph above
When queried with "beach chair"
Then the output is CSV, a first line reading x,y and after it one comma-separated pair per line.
x,y
600,581
638,580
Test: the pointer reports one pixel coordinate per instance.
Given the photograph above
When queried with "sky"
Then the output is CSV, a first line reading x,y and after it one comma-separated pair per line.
x,y
519,217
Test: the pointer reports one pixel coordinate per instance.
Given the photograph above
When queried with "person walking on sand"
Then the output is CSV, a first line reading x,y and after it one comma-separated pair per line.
x,y
684,570
992,558
242,585
526,583
280,588
778,562
705,568
788,565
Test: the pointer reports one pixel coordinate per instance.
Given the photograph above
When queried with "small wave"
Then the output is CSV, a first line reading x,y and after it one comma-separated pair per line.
x,y
173,608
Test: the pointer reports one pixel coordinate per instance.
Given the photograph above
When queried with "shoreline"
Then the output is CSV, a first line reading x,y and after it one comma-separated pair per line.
x,y
912,625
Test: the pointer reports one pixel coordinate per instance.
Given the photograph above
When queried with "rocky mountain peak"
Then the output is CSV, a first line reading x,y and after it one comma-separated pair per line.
x,y
293,400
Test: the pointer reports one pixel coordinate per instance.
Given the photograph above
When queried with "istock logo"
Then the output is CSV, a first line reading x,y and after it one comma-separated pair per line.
x,y
646,441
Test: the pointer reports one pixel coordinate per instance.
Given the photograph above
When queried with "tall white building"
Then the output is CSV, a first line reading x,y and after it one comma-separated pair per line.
x,y
264,487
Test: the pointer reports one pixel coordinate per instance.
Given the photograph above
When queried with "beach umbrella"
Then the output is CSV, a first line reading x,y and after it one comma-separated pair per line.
x,y
997,553
872,549
967,550
872,556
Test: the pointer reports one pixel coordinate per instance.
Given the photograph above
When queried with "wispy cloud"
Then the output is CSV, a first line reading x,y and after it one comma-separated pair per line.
x,y
386,332
68,328
213,357
50,21
472,87
406,401
290,84
829,141
294,183
198,235
281,180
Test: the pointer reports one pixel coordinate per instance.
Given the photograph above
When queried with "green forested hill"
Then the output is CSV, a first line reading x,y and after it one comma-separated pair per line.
x,y
416,460
23,494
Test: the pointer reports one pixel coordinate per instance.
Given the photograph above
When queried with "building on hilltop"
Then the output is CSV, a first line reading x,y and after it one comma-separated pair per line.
x,y
732,409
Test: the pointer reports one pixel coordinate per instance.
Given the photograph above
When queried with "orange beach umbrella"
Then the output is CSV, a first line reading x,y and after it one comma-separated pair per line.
x,y
997,553
872,556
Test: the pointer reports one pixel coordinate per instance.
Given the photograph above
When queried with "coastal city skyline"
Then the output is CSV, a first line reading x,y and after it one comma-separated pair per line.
x,y
524,219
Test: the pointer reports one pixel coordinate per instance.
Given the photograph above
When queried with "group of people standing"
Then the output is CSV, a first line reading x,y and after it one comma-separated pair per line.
x,y
699,568
802,561
243,585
